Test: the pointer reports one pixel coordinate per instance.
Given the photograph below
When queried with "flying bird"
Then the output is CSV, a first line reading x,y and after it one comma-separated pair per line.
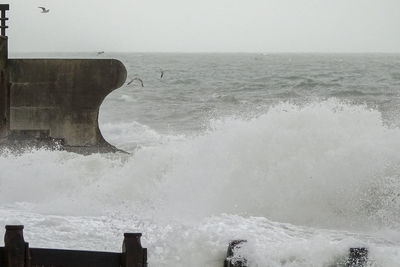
x,y
162,74
100,52
136,79
44,10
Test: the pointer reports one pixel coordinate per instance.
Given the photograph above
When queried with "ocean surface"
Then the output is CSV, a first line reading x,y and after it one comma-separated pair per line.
x,y
297,153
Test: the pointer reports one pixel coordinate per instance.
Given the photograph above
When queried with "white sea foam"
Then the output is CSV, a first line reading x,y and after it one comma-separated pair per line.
x,y
321,165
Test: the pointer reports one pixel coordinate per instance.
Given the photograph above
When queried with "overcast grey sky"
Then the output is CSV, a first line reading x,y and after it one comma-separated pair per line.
x,y
205,25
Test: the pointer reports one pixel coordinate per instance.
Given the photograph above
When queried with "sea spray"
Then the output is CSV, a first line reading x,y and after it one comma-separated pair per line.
x,y
324,164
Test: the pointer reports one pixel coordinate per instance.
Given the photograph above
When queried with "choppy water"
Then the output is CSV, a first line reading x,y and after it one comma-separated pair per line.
x,y
298,154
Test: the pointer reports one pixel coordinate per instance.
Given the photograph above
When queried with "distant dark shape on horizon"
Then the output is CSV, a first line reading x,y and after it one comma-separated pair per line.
x,y
44,10
136,79
100,53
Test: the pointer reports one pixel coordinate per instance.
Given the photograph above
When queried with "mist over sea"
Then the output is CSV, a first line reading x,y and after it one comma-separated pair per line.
x,y
297,153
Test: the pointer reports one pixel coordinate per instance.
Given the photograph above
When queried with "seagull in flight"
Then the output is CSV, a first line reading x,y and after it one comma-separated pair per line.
x,y
136,79
44,10
162,72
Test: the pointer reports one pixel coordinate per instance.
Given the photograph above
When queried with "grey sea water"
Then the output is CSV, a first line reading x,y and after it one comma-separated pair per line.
x,y
297,153
197,87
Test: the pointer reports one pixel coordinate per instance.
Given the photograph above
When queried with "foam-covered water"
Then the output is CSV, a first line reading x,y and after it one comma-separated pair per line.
x,y
303,169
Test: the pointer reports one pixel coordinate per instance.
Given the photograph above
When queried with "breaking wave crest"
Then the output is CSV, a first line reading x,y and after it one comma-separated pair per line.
x,y
321,164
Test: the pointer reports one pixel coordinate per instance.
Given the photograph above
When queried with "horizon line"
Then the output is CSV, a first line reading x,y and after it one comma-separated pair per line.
x,y
215,52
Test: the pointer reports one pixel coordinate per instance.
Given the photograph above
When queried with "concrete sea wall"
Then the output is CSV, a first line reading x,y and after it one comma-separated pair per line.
x,y
56,99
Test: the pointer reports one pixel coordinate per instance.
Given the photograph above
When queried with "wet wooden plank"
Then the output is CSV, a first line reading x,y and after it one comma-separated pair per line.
x,y
2,263
41,257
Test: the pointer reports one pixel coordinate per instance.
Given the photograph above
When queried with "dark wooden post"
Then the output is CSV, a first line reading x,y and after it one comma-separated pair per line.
x,y
239,262
4,81
3,8
15,246
358,257
133,255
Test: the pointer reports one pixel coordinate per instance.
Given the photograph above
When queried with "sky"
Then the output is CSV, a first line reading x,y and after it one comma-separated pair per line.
x,y
262,26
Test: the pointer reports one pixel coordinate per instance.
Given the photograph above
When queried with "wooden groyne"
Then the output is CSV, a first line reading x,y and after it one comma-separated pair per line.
x,y
17,253
358,257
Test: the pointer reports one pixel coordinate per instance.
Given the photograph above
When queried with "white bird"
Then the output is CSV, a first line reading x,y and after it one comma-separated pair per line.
x,y
136,79
44,10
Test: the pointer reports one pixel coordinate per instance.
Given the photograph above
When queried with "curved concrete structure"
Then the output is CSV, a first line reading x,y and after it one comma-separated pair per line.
x,y
47,100
60,98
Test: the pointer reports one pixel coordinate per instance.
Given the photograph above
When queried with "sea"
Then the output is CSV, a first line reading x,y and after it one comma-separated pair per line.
x,y
299,154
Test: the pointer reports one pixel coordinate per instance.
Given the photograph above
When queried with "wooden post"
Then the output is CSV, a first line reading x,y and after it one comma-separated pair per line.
x,y
15,246
358,257
3,8
133,255
239,262
4,76
4,89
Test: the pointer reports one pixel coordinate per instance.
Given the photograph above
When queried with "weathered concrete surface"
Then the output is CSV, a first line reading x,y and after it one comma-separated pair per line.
x,y
61,98
4,103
